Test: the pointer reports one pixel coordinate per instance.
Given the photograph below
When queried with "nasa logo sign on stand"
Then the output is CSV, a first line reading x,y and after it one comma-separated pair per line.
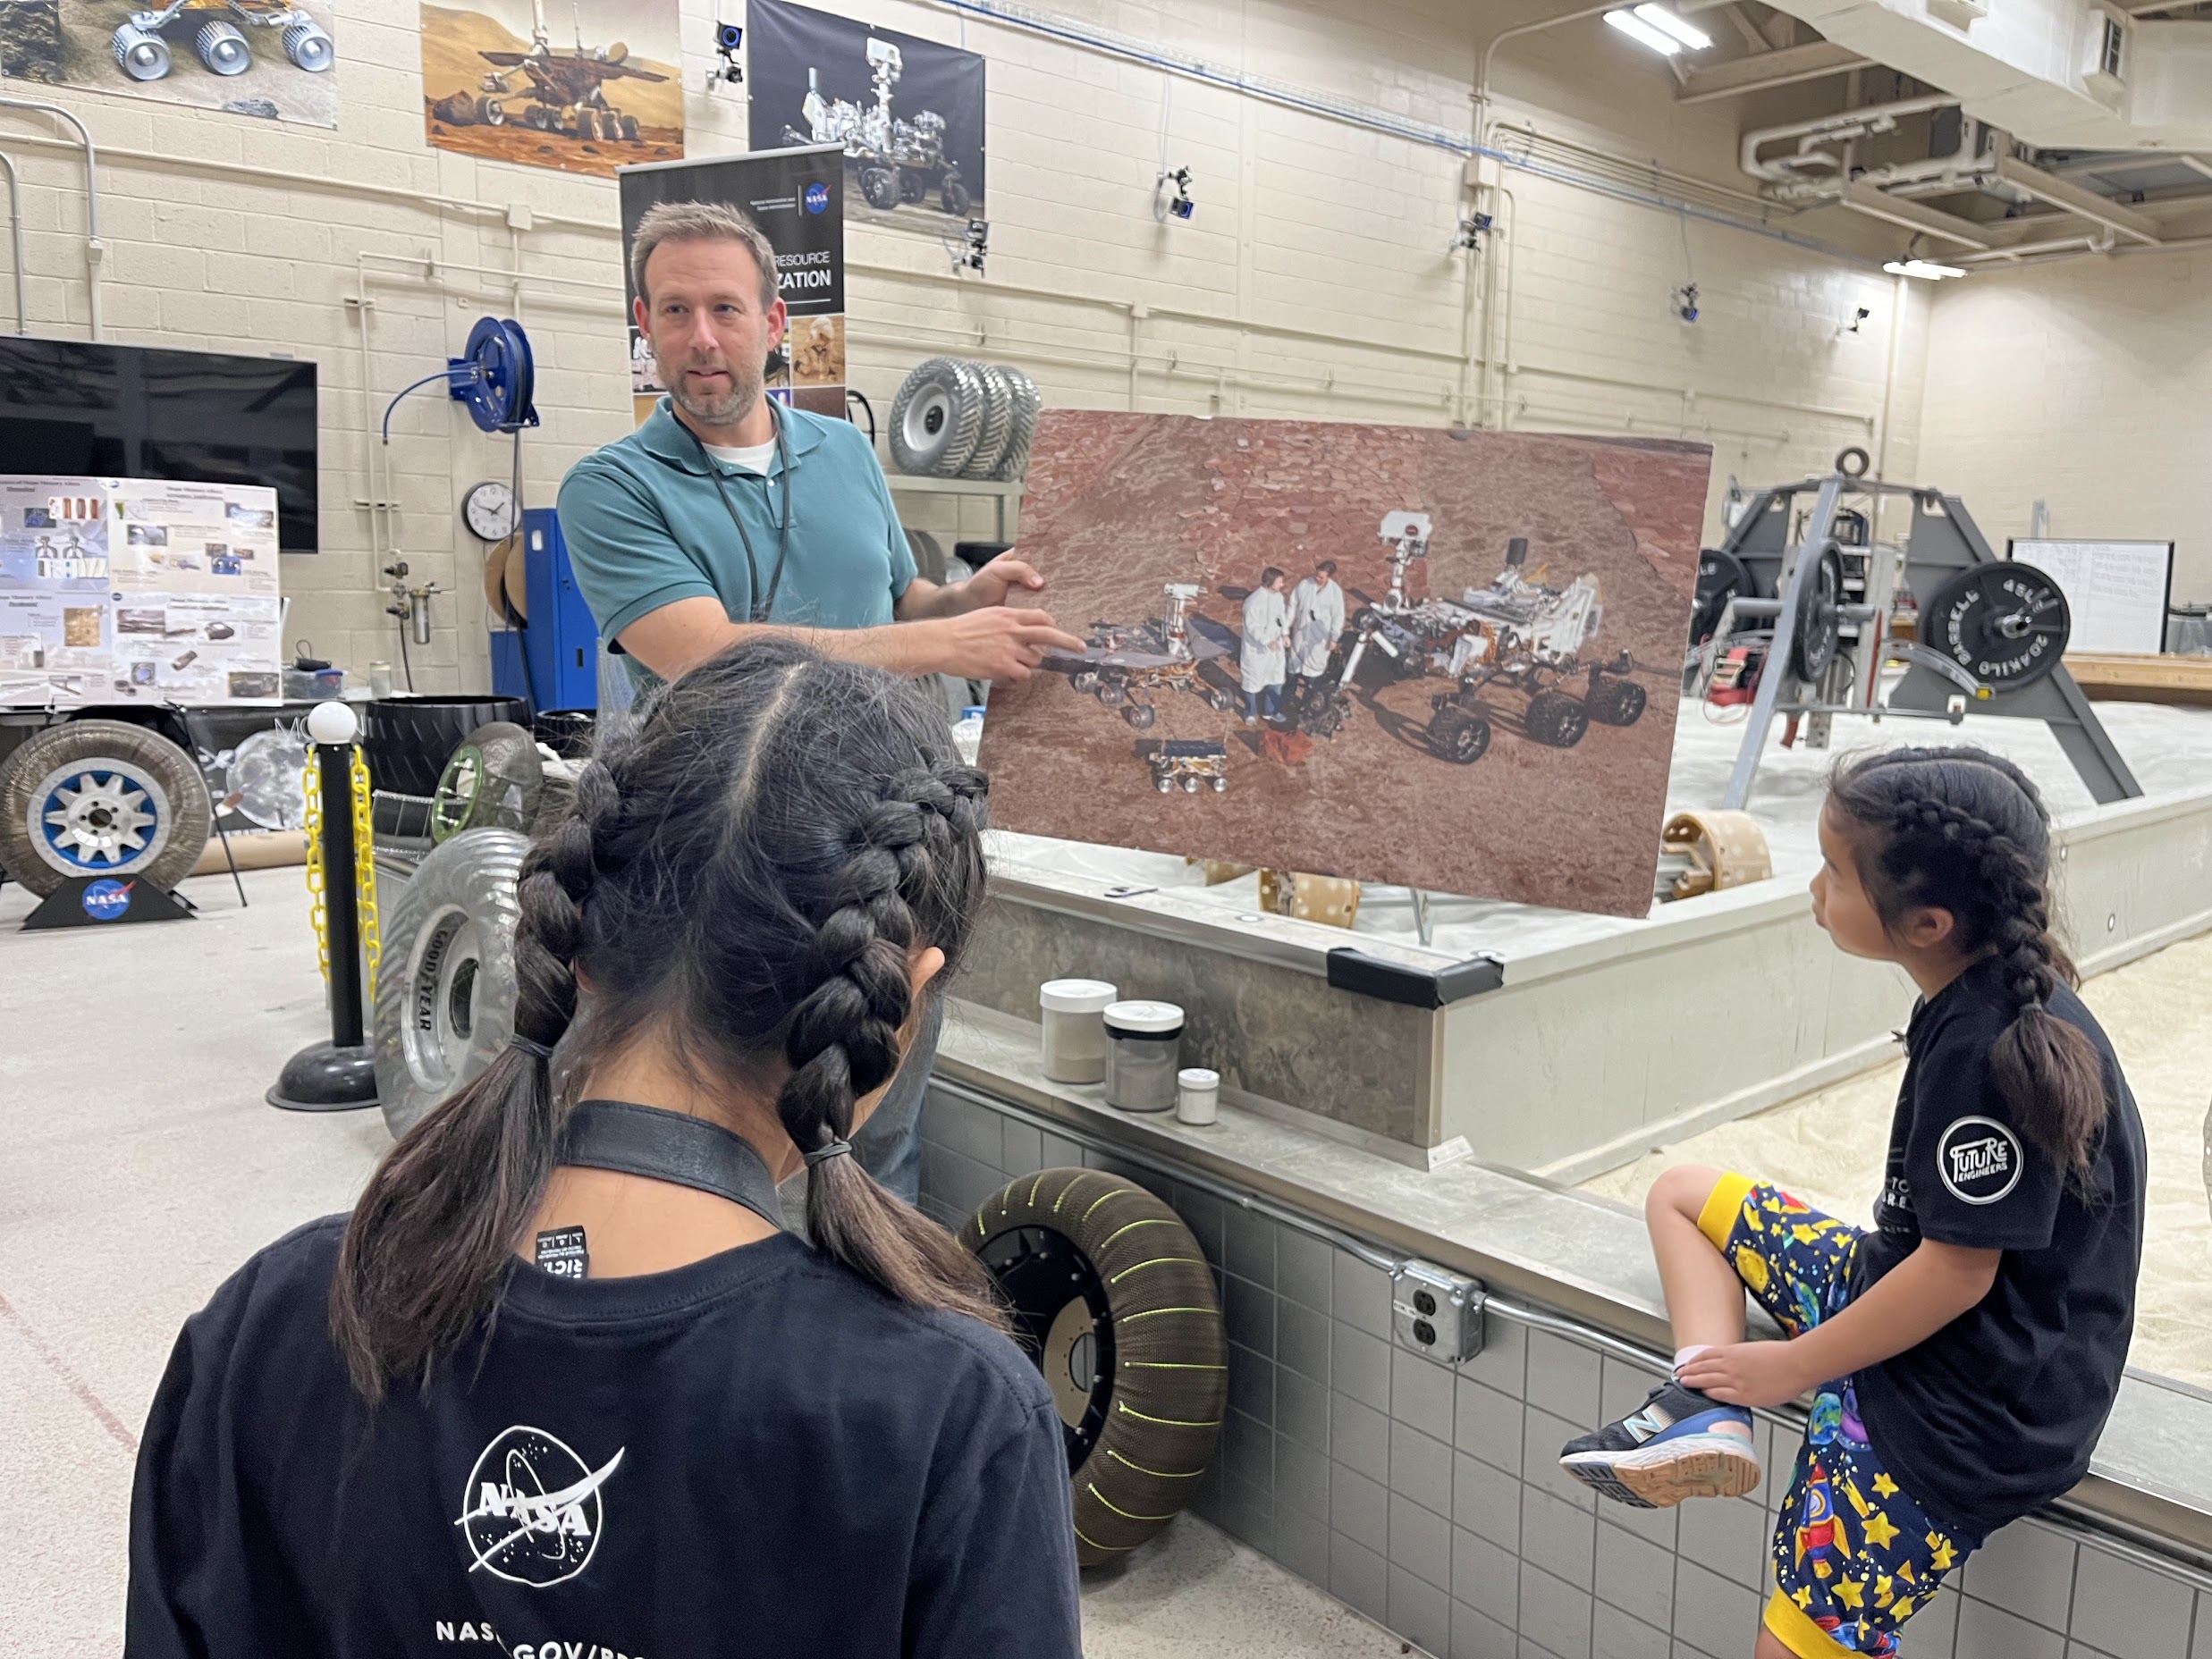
x,y
531,1512
106,900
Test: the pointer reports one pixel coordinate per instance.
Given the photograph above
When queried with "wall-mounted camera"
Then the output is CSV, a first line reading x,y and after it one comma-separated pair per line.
x,y
974,245
730,68
1686,302
1468,238
1858,317
1179,205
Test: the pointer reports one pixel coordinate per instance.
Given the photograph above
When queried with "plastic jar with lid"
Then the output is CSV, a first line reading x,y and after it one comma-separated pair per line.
x,y
1144,1050
1074,1032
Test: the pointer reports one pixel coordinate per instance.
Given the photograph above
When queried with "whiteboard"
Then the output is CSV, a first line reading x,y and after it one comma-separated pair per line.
x,y
2117,591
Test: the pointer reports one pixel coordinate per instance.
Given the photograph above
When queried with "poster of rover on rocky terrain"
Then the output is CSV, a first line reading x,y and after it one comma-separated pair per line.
x,y
1449,659
276,60
908,113
584,86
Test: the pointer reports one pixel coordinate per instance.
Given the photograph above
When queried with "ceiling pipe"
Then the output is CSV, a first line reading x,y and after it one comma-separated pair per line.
x,y
1852,123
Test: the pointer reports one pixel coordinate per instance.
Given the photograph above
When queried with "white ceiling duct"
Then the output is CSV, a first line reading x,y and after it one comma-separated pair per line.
x,y
2059,74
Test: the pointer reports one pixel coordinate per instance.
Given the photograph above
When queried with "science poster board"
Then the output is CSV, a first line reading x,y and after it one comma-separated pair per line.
x,y
1476,567
586,86
796,196
264,62
906,112
114,590
2117,592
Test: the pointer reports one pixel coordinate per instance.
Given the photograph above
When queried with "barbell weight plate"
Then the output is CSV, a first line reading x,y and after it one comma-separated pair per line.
x,y
2006,624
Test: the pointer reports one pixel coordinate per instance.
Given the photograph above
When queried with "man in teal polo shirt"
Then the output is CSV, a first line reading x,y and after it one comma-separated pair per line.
x,y
727,511
728,514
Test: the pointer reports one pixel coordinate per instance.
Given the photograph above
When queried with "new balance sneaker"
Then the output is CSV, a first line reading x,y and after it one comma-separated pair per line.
x,y
1680,1445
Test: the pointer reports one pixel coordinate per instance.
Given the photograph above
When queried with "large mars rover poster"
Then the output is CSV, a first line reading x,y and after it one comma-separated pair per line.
x,y
908,113
274,62
1449,659
586,86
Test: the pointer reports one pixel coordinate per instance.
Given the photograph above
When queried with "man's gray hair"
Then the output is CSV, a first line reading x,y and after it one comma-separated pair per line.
x,y
699,221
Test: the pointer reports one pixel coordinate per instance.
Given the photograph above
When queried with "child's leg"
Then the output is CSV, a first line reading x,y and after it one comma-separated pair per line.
x,y
1704,1295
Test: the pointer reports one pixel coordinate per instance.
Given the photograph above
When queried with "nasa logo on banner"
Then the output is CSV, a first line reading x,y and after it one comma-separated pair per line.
x,y
816,196
1979,1159
531,1512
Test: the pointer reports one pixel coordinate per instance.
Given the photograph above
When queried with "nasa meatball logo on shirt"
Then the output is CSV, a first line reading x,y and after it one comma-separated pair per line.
x,y
531,1512
1979,1160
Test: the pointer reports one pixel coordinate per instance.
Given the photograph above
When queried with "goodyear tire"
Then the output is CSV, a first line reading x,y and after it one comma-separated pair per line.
x,y
1114,1300
1028,403
937,419
101,798
446,988
494,780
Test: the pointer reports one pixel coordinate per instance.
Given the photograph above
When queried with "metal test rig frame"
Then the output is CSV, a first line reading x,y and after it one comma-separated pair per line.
x,y
1990,633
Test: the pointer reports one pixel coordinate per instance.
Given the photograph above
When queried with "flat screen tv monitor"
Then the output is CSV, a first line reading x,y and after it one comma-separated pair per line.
x,y
74,408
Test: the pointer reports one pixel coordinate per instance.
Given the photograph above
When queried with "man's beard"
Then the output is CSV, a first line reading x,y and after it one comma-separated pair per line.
x,y
722,411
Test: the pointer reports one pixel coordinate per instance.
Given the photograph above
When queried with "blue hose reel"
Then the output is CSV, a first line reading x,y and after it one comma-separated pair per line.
x,y
496,377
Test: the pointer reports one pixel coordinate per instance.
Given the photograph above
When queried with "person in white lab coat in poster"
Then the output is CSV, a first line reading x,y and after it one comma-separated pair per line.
x,y
1263,660
1316,624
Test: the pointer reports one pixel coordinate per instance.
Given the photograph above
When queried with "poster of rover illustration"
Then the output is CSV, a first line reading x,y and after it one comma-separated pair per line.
x,y
274,60
796,196
1400,654
908,112
585,85
114,590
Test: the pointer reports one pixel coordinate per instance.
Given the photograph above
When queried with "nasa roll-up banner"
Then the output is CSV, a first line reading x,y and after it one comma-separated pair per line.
x,y
796,196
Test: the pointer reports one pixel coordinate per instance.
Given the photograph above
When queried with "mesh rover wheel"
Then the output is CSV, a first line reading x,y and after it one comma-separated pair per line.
x,y
494,780
1114,1300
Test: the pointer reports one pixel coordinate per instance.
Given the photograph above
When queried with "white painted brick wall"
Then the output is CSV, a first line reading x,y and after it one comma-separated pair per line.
x,y
2088,385
1304,222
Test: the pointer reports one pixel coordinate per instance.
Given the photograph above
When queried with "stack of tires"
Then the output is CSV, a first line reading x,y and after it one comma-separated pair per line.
x,y
957,419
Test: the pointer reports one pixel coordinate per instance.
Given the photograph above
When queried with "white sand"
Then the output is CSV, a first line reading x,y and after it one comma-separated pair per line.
x,y
1829,1147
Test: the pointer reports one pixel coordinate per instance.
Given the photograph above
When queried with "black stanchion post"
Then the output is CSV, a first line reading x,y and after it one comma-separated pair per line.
x,y
339,1075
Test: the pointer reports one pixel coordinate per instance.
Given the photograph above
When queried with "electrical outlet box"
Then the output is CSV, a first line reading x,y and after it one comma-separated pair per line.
x,y
1437,1312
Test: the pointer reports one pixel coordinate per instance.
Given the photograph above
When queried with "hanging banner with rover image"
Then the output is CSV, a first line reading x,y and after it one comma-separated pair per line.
x,y
796,196
1449,659
584,86
908,112
271,60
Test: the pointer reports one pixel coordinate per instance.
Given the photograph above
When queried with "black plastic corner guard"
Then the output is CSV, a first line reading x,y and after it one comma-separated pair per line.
x,y
1416,988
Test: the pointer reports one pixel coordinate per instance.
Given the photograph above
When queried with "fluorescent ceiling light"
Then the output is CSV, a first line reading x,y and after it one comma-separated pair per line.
x,y
1668,23
1643,34
1926,269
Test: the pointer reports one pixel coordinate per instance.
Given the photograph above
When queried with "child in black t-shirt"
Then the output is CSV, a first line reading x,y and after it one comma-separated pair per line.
x,y
563,1384
1963,1354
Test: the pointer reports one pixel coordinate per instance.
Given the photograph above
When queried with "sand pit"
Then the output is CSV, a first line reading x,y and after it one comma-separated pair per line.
x,y
1827,1148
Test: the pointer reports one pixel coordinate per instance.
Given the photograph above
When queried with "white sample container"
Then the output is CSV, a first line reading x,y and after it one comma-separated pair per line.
x,y
1197,1095
1144,1051
1075,1029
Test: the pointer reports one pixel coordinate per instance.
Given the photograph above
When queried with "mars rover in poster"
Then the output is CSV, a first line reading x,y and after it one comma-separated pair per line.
x,y
1302,638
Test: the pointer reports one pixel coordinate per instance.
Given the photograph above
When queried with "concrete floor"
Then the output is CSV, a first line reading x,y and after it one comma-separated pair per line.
x,y
142,1168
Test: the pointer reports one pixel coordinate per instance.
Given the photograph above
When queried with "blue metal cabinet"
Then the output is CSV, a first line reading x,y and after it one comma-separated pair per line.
x,y
554,660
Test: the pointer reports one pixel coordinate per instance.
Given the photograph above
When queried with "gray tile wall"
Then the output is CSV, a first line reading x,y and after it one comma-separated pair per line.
x,y
1430,1497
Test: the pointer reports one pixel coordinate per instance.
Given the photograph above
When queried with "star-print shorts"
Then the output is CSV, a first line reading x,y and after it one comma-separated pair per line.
x,y
1854,1554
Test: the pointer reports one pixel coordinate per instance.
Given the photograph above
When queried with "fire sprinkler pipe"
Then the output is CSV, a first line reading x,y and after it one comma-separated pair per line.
x,y
1851,123
94,250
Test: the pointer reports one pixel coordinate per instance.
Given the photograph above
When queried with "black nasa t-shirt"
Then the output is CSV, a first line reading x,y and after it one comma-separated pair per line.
x,y
1997,1413
755,1455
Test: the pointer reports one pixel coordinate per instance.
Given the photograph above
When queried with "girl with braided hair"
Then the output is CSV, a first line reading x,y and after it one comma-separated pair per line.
x,y
1963,1354
563,1384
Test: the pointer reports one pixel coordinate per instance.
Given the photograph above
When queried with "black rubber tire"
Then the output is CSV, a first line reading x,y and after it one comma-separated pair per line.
x,y
1819,629
494,780
1146,1428
1140,715
1556,719
407,740
998,431
880,187
912,188
630,128
937,419
1083,681
150,775
1616,702
445,985
1110,692
953,197
1459,736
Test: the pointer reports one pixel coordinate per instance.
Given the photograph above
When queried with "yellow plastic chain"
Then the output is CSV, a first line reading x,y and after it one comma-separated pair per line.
x,y
364,867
